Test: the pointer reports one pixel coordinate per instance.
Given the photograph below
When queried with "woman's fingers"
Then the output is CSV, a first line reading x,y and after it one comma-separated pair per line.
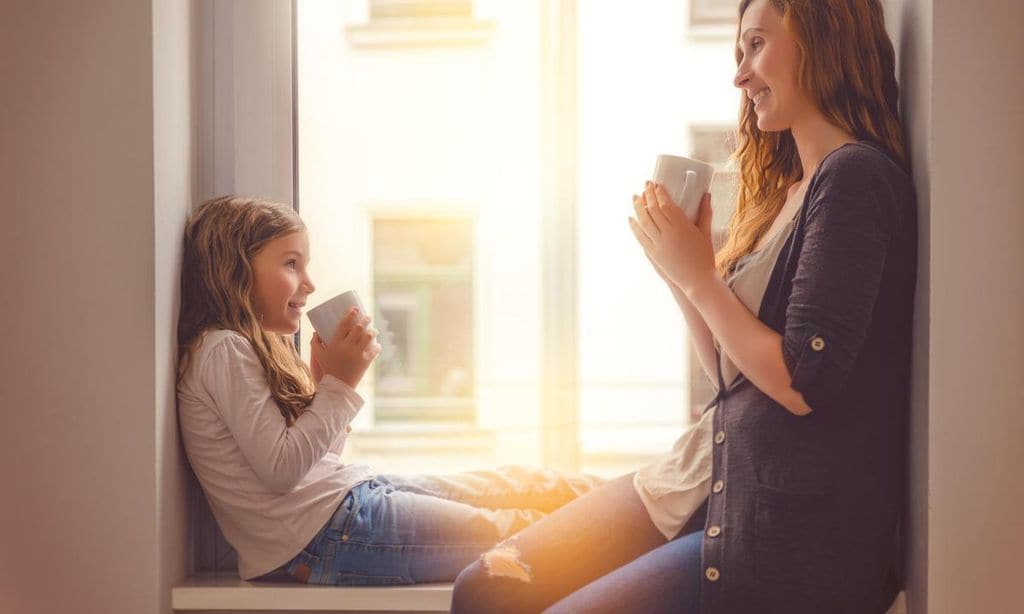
x,y
643,216
640,235
651,196
669,211
705,215
660,207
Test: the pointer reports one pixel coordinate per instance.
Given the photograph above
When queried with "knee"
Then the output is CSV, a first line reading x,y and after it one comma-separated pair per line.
x,y
498,581
469,593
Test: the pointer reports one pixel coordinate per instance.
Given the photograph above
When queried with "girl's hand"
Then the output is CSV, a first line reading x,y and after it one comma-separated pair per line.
x,y
349,354
680,250
314,364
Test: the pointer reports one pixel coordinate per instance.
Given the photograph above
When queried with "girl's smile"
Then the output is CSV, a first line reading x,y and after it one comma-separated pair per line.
x,y
282,282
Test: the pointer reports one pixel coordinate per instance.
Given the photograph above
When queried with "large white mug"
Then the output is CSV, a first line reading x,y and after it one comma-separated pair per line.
x,y
686,180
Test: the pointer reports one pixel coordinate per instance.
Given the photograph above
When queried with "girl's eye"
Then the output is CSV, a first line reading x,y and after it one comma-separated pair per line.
x,y
754,44
291,263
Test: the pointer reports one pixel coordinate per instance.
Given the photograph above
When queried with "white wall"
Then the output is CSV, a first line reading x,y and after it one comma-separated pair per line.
x,y
976,332
910,26
176,173
959,67
94,164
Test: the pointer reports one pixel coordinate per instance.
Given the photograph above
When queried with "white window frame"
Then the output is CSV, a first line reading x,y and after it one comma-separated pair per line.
x,y
408,28
708,20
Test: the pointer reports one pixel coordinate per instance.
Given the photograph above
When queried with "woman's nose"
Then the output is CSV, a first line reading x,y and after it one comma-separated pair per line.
x,y
742,74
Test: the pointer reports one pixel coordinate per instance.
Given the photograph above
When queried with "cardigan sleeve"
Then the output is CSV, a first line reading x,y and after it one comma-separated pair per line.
x,y
852,215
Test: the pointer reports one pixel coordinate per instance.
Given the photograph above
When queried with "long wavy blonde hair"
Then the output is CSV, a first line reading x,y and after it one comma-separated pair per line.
x,y
848,67
221,239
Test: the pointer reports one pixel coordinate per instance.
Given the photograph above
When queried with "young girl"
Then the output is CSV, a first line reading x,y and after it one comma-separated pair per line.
x,y
785,496
264,432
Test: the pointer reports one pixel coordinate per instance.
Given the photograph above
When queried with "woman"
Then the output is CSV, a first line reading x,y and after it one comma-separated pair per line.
x,y
804,320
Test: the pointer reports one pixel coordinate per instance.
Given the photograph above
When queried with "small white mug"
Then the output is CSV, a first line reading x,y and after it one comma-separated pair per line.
x,y
326,316
686,180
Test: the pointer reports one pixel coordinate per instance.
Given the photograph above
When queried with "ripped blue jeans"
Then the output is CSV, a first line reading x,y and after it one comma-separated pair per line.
x,y
423,528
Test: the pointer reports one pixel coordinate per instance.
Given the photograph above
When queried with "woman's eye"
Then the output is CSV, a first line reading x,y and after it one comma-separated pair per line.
x,y
291,263
755,43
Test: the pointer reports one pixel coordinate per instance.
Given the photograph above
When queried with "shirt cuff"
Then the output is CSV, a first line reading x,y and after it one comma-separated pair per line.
x,y
337,388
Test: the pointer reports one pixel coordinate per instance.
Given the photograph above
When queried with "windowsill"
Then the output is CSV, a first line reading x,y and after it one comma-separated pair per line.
x,y
439,32
424,438
226,592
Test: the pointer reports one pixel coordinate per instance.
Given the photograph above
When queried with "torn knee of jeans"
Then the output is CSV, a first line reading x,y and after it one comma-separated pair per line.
x,y
502,561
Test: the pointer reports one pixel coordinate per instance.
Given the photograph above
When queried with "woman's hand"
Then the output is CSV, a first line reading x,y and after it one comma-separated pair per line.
x,y
680,250
349,354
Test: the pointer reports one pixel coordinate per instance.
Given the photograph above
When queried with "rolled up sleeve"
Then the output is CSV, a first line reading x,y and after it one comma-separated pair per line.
x,y
851,217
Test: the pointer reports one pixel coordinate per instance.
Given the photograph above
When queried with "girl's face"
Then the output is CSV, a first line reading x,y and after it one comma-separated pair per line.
x,y
767,70
282,282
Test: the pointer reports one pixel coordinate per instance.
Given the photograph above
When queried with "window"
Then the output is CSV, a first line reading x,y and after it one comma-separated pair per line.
x,y
713,12
423,292
424,182
714,144
402,23
420,9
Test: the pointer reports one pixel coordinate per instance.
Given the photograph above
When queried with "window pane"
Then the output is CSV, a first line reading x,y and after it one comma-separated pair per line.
x,y
713,12
420,185
416,9
638,98
423,291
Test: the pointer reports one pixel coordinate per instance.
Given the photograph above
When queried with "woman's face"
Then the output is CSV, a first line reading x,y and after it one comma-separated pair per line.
x,y
768,68
282,282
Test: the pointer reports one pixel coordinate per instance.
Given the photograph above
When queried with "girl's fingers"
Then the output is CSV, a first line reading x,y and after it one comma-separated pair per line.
x,y
347,324
643,217
638,232
358,329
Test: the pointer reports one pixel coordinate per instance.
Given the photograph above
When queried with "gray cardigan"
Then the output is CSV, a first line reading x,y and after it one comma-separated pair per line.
x,y
803,511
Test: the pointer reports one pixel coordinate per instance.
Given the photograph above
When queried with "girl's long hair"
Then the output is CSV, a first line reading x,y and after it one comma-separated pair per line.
x,y
848,68
221,239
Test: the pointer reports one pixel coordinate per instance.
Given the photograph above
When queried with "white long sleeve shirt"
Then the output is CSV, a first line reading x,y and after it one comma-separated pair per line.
x,y
271,487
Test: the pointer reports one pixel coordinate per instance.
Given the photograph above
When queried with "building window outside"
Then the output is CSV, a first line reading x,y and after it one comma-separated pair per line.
x,y
713,12
394,24
420,9
423,291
